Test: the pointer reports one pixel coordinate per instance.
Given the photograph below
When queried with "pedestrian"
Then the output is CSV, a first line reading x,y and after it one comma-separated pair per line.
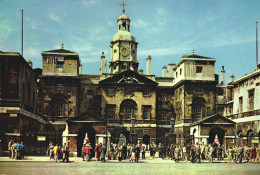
x,y
59,154
206,151
66,152
184,151
203,151
13,150
230,154
160,150
97,151
253,153
198,152
188,150
171,152
9,148
124,151
257,153
63,152
22,150
211,153
87,152
18,151
129,150
143,149
151,150
51,146
177,153
219,152
55,150
241,152
103,150
137,153
83,154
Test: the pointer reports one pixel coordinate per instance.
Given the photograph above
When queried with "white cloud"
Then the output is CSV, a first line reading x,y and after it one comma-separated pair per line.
x,y
140,23
54,17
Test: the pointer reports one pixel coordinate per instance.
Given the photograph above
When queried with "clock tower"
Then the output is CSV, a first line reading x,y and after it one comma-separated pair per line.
x,y
123,48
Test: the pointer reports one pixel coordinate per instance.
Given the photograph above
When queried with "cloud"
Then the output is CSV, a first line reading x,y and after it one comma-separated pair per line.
x,y
54,17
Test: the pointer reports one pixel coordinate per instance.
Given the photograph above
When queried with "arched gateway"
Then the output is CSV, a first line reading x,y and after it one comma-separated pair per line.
x,y
86,132
220,133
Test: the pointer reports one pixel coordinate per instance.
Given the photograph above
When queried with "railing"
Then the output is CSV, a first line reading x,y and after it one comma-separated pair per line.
x,y
244,114
18,103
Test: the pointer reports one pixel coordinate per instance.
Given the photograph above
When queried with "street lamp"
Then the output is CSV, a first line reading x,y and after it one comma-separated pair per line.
x,y
132,131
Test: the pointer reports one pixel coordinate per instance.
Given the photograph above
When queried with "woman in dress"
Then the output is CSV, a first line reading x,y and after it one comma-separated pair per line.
x,y
253,153
230,154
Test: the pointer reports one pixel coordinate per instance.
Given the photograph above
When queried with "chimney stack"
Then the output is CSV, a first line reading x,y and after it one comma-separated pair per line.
x,y
232,77
222,75
171,66
80,67
30,63
148,65
164,71
141,71
103,64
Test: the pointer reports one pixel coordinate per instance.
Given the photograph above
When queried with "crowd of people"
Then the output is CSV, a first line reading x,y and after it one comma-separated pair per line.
x,y
122,151
58,153
16,150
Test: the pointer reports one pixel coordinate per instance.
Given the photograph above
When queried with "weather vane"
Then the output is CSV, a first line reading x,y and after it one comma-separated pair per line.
x,y
123,7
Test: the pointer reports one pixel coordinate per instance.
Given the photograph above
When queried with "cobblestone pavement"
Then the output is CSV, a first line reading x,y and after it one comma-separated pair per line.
x,y
42,165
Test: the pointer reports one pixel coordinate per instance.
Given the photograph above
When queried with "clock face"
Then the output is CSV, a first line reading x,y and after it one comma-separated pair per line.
x,y
125,51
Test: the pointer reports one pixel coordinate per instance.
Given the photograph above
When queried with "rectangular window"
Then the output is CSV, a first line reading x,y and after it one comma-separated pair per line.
x,y
240,104
128,92
163,115
128,113
146,112
59,65
110,91
198,69
176,74
59,109
164,94
110,111
146,92
197,111
180,71
59,86
251,94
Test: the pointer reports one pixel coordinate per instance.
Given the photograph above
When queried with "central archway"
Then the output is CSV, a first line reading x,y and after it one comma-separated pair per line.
x,y
146,139
220,134
91,134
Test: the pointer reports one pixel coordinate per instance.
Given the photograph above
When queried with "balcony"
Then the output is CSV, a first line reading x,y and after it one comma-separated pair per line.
x,y
244,114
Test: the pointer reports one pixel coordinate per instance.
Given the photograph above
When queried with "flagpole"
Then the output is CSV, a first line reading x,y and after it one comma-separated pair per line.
x,y
22,34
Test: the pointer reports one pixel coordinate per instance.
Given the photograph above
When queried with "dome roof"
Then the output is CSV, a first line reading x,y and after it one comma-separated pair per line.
x,y
123,35
123,16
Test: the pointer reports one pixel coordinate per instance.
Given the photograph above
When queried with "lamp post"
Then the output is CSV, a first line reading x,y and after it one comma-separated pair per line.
x,y
172,135
132,132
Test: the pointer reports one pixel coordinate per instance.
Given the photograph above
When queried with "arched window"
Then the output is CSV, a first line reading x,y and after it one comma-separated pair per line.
x,y
198,108
124,25
60,105
127,109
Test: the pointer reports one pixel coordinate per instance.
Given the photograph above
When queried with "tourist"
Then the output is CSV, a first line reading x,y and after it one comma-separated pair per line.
x,y
206,151
241,152
9,148
59,154
171,152
102,152
18,151
120,152
151,150
211,153
230,154
66,154
51,146
55,150
203,151
184,152
198,152
177,153
129,150
13,150
137,153
83,154
143,149
124,151
22,150
188,150
257,153
253,153
97,151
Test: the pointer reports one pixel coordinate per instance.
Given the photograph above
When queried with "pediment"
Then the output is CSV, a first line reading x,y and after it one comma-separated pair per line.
x,y
214,119
128,77
86,117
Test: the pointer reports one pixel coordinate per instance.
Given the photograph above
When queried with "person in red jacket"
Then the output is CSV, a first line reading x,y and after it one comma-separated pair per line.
x,y
88,152
97,151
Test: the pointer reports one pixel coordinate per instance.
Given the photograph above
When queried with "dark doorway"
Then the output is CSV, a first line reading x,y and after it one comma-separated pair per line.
x,y
146,139
216,131
91,136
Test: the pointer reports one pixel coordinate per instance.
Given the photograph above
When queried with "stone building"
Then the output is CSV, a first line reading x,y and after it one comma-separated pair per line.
x,y
19,118
185,105
243,107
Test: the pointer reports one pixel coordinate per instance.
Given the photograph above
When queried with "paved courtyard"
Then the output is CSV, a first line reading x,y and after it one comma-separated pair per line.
x,y
147,166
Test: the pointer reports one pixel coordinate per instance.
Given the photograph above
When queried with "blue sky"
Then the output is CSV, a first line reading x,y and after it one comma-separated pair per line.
x,y
166,30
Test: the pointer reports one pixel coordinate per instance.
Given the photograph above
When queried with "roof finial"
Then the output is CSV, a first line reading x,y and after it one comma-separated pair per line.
x,y
62,46
123,7
192,51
